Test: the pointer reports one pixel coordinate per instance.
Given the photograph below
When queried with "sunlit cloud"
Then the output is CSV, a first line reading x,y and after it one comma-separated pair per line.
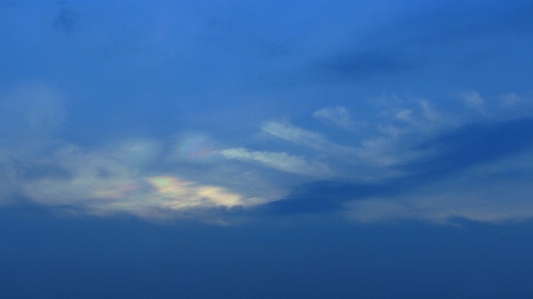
x,y
188,194
115,181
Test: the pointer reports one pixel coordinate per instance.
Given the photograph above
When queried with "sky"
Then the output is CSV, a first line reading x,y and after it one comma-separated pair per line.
x,y
287,149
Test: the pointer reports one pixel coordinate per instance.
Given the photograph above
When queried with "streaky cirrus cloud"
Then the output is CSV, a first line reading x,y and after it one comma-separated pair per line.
x,y
316,141
338,115
297,135
377,150
281,161
474,170
474,101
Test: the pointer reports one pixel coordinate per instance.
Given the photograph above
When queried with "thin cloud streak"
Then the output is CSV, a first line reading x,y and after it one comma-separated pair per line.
x,y
377,151
454,182
281,161
297,135
337,115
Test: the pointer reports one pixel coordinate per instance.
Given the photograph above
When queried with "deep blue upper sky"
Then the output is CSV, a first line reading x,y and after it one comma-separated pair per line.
x,y
246,116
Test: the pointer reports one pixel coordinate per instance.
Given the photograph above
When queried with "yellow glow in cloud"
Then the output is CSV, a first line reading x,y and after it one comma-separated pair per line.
x,y
169,185
186,192
218,196
103,185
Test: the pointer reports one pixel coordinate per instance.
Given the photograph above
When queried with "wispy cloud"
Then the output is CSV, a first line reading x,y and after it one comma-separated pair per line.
x,y
377,151
474,100
337,115
513,100
281,161
456,181
297,135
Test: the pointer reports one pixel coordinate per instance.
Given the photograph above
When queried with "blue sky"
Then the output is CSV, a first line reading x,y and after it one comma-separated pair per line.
x,y
248,116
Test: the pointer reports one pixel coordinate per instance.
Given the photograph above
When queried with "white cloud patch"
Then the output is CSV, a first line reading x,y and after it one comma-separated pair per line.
x,y
281,161
337,115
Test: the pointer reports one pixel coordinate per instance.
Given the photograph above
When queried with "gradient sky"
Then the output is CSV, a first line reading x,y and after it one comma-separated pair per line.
x,y
270,149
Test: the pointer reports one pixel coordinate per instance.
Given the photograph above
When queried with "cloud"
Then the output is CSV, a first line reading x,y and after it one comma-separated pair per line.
x,y
142,177
310,139
473,100
458,152
115,179
337,115
186,194
296,135
378,151
281,161
512,100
